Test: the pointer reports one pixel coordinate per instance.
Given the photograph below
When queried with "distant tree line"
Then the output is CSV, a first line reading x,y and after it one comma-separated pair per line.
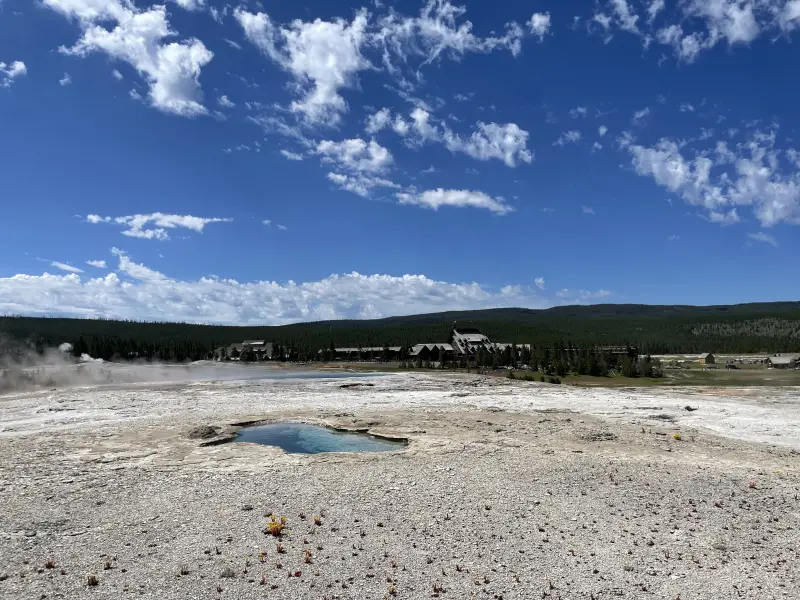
x,y
749,328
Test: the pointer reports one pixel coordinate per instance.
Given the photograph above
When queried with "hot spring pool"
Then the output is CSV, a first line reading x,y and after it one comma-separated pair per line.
x,y
301,438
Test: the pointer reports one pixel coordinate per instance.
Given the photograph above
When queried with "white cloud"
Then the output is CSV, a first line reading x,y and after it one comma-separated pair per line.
x,y
602,130
625,17
117,75
464,97
378,121
686,107
10,72
267,222
282,227
154,226
641,114
709,22
323,57
436,32
655,7
65,267
292,155
720,181
491,140
225,102
100,264
172,70
587,210
355,155
233,44
568,137
360,184
435,199
66,80
763,237
673,238
578,111
137,271
506,142
539,24
191,5
539,281
153,296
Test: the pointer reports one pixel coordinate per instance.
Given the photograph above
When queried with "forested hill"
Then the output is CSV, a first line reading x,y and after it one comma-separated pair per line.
x,y
762,327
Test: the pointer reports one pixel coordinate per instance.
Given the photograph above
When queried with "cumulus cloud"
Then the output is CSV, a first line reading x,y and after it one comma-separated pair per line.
x,y
190,5
602,130
539,24
699,25
65,80
154,226
539,281
225,102
568,137
136,292
117,75
763,237
435,199
506,142
171,69
100,264
10,72
355,155
720,180
65,267
323,57
292,155
378,121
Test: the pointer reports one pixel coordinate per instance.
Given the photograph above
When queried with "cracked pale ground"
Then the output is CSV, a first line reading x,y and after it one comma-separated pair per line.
x,y
507,490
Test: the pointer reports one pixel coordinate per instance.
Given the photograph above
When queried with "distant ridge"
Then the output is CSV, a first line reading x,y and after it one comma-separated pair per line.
x,y
753,327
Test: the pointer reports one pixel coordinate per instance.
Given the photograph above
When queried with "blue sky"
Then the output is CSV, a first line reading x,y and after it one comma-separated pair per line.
x,y
280,161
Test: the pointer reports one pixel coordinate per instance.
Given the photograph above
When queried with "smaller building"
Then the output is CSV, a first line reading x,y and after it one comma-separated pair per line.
x,y
707,359
784,361
432,352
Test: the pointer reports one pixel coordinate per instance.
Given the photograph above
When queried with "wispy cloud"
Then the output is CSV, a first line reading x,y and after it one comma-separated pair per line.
x,y
587,210
539,281
763,237
154,226
65,80
65,267
100,264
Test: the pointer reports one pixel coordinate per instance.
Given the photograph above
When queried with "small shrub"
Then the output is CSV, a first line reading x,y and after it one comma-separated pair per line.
x,y
92,580
307,556
50,564
677,437
751,484
276,526
184,570
280,549
511,375
317,521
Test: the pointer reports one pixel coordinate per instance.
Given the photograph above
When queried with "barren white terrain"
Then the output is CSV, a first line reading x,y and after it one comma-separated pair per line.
x,y
507,490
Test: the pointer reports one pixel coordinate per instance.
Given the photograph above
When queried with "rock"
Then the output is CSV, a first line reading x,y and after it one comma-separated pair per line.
x,y
600,436
203,432
227,573
247,507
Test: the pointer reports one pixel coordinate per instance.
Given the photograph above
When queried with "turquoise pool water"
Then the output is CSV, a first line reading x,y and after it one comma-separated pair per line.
x,y
301,438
